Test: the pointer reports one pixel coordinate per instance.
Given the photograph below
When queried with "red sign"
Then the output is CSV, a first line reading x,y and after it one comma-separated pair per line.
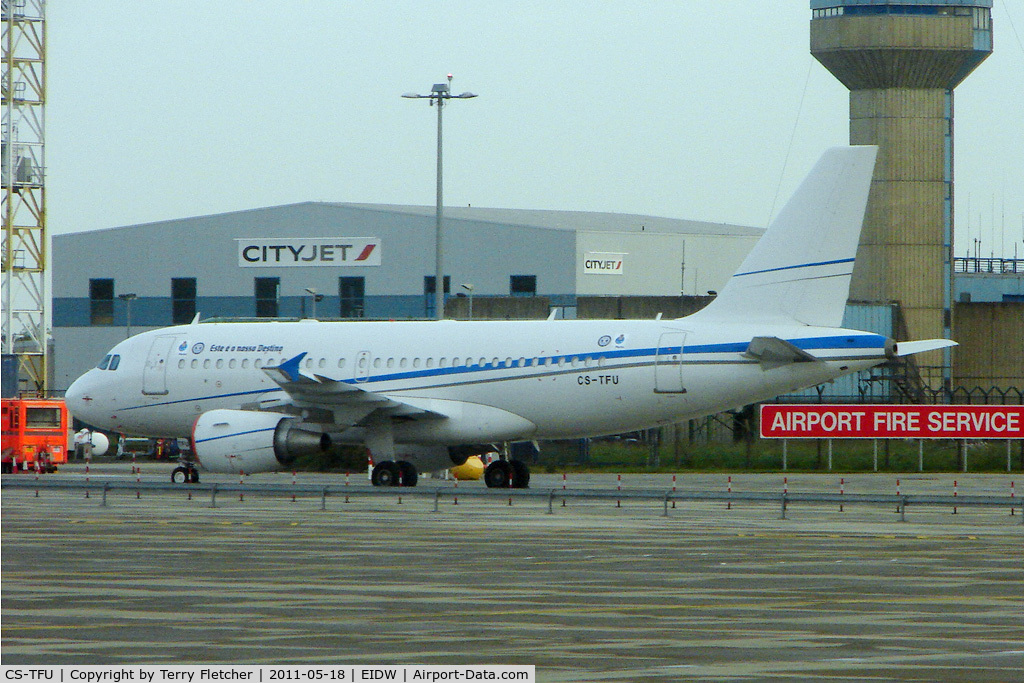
x,y
846,421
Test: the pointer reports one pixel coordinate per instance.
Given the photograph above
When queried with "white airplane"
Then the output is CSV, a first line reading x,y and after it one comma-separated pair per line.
x,y
424,395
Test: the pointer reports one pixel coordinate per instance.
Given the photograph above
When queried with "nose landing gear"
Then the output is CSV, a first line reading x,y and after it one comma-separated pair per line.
x,y
185,473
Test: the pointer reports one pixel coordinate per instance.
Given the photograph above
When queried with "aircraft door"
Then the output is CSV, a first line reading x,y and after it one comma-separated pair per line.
x,y
154,375
668,364
363,366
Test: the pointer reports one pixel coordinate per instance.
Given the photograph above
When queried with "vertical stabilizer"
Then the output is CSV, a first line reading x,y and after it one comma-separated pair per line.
x,y
800,269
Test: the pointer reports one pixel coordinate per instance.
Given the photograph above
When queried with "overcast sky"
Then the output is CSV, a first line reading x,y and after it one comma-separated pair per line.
x,y
699,110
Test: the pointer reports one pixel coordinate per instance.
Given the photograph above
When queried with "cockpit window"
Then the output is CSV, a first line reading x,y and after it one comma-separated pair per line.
x,y
103,363
115,361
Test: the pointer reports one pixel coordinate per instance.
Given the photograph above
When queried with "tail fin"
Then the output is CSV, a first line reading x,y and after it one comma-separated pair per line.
x,y
800,269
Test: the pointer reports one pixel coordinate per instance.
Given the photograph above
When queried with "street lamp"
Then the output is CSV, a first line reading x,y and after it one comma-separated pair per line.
x,y
315,297
128,298
438,94
469,288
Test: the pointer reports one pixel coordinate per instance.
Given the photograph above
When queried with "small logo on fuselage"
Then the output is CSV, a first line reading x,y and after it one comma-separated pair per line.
x,y
605,340
198,347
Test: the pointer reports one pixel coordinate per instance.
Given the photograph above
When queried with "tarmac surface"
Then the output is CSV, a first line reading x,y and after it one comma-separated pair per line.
x,y
593,592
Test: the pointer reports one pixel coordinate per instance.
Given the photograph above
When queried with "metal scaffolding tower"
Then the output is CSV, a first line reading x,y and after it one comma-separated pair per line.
x,y
26,296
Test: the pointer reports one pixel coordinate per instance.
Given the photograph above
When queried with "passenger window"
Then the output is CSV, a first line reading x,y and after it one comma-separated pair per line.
x,y
115,361
362,362
494,362
258,363
104,363
391,362
455,362
195,363
430,362
341,362
181,364
309,363
245,363
322,364
403,363
483,362
220,363
376,362
206,364
415,362
508,362
443,363
232,363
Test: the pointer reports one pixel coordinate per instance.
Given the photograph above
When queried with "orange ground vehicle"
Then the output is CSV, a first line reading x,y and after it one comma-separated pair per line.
x,y
34,430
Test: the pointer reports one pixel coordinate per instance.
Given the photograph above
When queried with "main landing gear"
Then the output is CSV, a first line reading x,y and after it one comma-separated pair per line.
x,y
389,473
500,474
507,474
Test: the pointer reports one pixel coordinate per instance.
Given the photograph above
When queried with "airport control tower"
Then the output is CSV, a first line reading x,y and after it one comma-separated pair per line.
x,y
901,60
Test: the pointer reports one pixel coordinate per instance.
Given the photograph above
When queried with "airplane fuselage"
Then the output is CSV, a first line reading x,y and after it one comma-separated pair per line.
x,y
552,379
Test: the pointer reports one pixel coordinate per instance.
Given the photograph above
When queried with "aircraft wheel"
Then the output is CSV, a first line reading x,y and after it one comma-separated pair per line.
x,y
179,475
496,475
385,474
409,474
520,475
193,475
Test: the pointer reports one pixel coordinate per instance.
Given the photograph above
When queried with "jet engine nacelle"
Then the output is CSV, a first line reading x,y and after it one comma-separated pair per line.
x,y
232,441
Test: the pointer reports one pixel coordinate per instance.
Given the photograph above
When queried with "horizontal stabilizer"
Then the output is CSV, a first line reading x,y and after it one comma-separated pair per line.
x,y
909,348
773,352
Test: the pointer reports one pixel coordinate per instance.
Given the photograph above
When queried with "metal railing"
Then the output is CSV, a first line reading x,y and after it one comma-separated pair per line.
x,y
976,264
666,498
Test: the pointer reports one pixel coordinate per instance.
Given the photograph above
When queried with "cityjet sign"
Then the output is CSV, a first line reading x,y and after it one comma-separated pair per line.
x,y
308,252
602,263
823,421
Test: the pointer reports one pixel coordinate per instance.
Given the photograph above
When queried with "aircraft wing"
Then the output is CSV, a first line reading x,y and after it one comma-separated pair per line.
x,y
348,402
773,352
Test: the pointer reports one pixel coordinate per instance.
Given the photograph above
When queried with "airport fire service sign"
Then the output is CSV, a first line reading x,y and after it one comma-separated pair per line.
x,y
844,421
308,252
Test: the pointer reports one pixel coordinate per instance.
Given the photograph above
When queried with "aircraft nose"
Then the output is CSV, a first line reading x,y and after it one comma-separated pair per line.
x,y
78,397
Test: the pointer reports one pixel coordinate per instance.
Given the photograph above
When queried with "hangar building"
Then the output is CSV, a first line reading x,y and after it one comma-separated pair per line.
x,y
365,261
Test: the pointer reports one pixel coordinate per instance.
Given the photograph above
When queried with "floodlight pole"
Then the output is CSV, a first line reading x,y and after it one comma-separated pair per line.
x,y
469,288
438,94
128,299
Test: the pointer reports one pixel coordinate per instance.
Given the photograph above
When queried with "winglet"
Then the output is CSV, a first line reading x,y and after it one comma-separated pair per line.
x,y
289,369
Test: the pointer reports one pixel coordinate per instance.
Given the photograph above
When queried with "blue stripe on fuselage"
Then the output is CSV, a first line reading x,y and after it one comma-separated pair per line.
x,y
863,341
